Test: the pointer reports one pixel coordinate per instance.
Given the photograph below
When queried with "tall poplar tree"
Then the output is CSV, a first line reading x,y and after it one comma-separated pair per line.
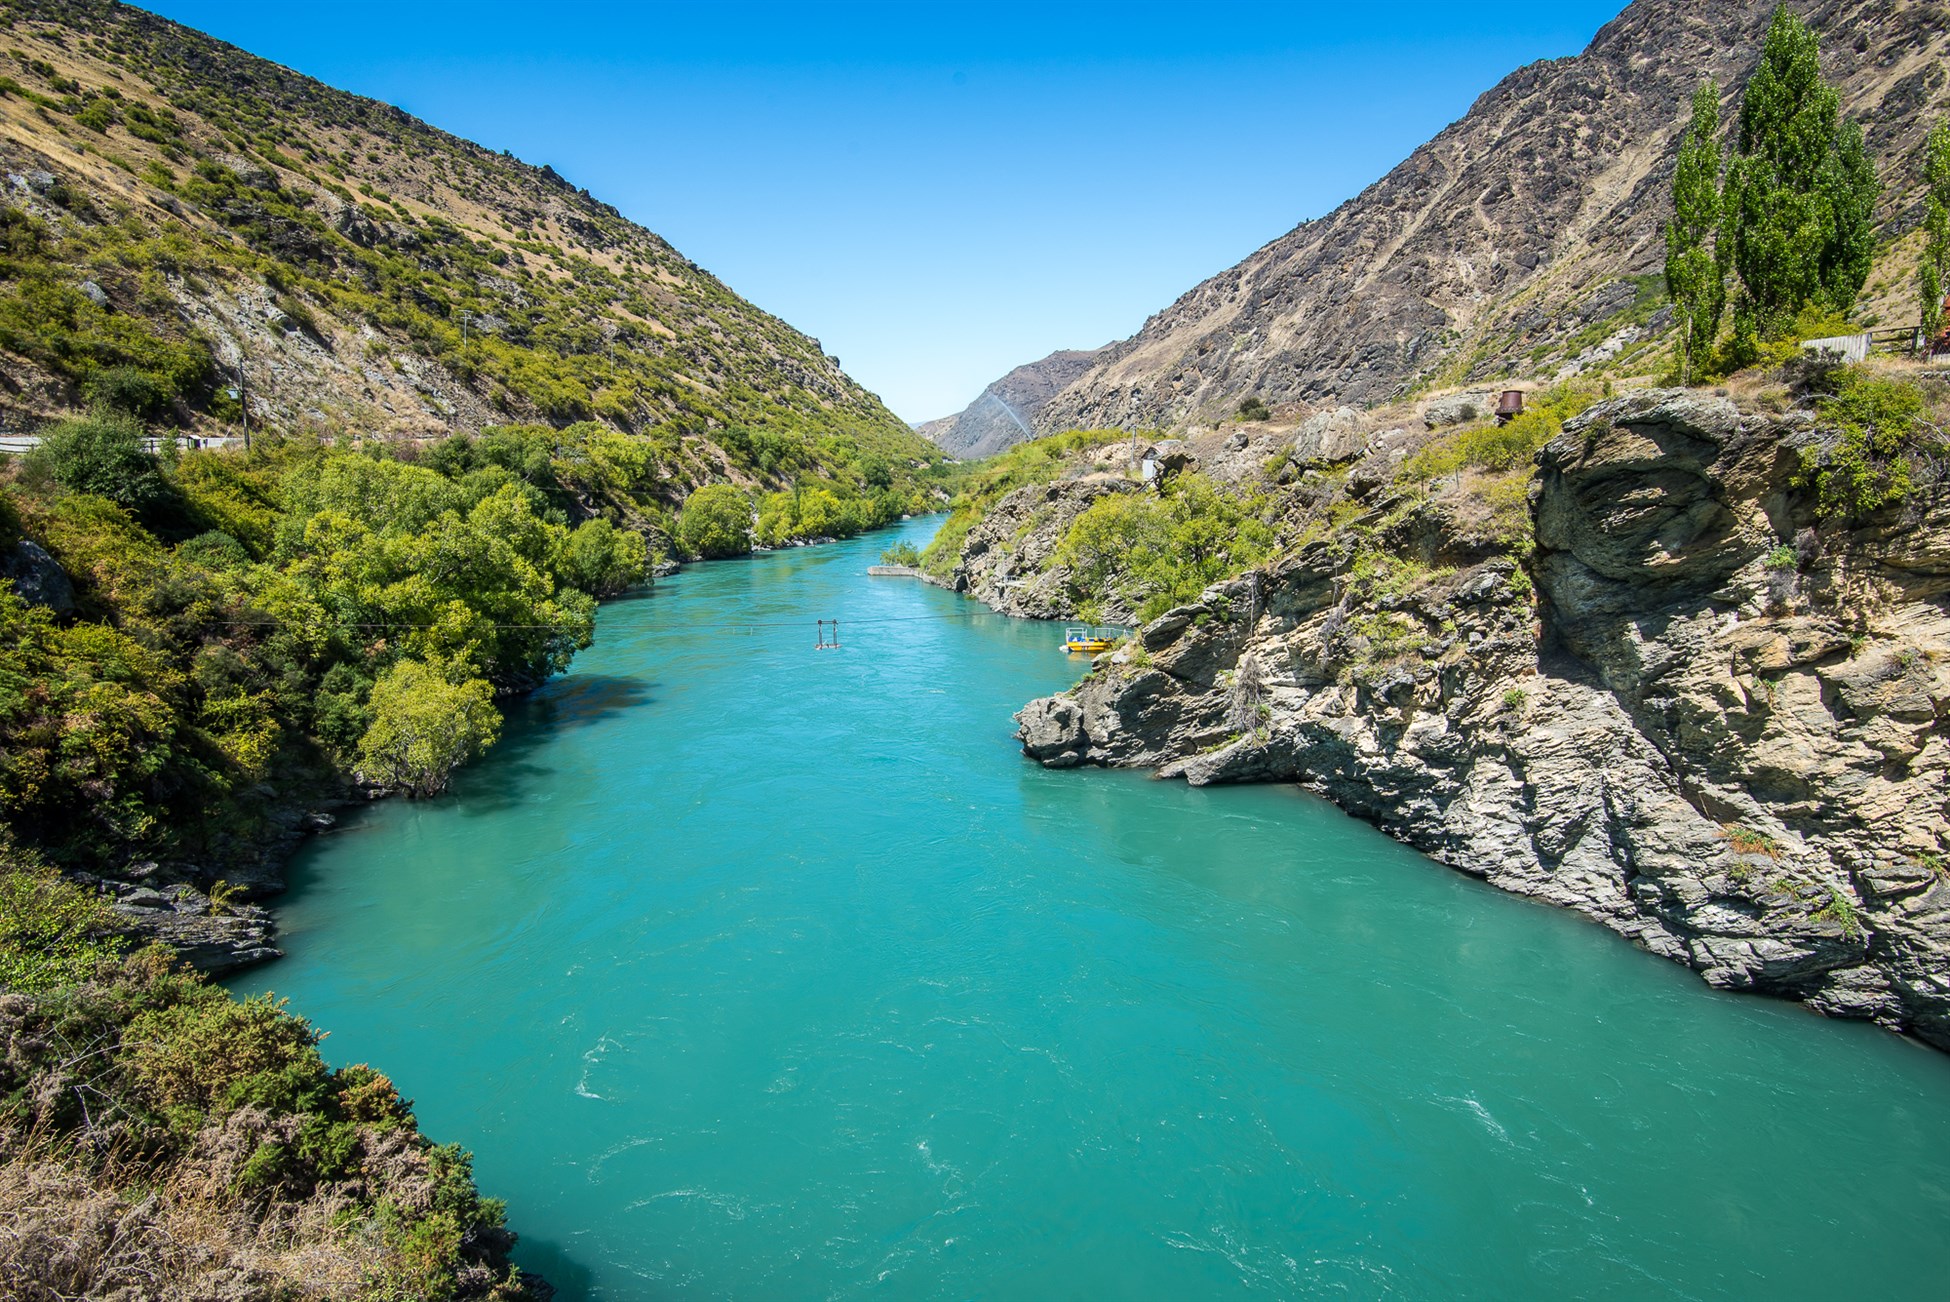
x,y
1801,190
1933,275
1695,274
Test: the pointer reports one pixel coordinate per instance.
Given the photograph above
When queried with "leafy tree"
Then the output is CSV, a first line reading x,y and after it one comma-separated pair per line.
x,y
1801,190
1853,192
89,744
103,454
601,559
1933,275
716,521
1694,275
424,727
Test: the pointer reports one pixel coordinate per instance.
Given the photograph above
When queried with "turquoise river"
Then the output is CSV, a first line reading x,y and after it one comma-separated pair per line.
x,y
750,970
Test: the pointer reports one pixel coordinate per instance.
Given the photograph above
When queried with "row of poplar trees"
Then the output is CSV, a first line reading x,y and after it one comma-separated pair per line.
x,y
1789,214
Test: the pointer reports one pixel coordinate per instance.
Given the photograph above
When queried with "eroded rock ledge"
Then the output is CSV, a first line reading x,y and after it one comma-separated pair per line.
x,y
1696,715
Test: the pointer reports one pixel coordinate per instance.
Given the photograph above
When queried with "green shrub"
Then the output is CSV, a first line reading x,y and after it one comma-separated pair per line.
x,y
901,554
716,521
424,727
601,559
1747,840
89,744
127,389
1156,552
1501,447
53,933
102,454
943,552
1875,424
99,115
1255,408
1841,909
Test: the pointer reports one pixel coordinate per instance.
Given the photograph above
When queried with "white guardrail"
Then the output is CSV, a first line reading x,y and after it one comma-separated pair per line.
x,y
19,443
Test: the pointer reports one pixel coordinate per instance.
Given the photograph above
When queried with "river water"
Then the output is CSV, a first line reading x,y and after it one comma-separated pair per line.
x,y
753,970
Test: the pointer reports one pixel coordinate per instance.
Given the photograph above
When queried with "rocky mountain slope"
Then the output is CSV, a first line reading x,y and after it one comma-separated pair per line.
x,y
1523,240
1006,411
1657,682
200,219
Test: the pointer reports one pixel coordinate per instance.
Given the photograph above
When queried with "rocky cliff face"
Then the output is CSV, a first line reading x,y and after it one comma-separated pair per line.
x,y
1006,412
1523,239
1710,721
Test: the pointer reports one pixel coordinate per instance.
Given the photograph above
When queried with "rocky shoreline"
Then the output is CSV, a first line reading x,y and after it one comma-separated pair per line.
x,y
216,920
1695,713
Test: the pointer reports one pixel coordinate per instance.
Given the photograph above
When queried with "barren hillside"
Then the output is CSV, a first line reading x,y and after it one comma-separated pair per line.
x,y
1523,240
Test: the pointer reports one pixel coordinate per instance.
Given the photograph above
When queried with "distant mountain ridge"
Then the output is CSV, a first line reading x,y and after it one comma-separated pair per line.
x,y
1524,239
1005,413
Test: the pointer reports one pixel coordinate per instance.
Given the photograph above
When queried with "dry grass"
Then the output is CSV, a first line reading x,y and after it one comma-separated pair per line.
x,y
127,1231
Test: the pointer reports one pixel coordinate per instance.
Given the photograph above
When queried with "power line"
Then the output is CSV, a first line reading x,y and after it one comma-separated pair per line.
x,y
377,625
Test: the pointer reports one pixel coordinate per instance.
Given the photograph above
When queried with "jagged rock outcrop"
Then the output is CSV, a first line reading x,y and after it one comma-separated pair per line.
x,y
1005,413
217,921
211,936
1510,243
1715,726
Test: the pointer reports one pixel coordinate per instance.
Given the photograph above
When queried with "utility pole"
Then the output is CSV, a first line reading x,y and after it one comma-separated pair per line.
x,y
242,394
465,317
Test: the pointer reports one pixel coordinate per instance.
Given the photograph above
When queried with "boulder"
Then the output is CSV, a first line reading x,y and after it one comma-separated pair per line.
x,y
1331,436
1457,409
38,578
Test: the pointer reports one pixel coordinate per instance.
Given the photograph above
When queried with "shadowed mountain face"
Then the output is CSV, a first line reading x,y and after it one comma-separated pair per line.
x,y
1006,412
1526,238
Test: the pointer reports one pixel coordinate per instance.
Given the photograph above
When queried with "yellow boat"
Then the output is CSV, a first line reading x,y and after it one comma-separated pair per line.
x,y
1089,641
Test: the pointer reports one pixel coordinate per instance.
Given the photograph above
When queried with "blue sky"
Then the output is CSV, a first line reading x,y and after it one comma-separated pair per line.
x,y
937,192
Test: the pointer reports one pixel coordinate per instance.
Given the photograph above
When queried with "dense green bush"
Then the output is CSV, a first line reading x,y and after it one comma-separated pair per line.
x,y
101,454
90,742
126,389
1155,552
189,1112
601,559
943,552
716,522
424,727
248,653
809,514
1875,425
53,933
